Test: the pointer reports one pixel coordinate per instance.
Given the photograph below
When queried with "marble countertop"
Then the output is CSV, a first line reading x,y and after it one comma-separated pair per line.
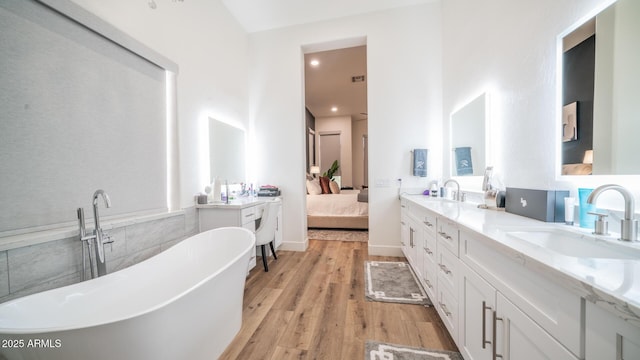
x,y
240,203
611,283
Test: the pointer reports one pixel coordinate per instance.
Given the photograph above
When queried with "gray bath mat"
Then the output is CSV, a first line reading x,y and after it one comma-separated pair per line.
x,y
391,281
374,350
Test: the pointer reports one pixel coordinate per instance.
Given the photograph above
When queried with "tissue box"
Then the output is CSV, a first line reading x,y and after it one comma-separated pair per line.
x,y
544,205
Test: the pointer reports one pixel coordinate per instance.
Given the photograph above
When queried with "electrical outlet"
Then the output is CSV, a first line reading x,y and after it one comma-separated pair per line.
x,y
382,183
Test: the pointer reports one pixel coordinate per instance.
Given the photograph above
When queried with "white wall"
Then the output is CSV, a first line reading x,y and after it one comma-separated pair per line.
x,y
343,125
210,49
493,44
404,105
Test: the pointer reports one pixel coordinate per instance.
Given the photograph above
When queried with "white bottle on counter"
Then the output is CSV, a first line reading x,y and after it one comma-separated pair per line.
x,y
434,190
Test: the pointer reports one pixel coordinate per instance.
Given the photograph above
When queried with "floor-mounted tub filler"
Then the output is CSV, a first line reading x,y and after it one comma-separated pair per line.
x,y
184,303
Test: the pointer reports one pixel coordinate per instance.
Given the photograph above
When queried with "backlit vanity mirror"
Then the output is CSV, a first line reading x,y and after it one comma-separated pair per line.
x,y
468,140
600,93
226,152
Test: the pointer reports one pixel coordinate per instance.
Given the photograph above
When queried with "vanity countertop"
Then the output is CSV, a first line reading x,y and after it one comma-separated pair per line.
x,y
240,203
611,283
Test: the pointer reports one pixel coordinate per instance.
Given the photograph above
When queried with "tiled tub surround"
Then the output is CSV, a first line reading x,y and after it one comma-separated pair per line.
x,y
51,264
612,285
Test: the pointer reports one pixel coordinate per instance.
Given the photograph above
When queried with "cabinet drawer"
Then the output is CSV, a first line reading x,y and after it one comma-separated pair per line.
x,y
247,215
447,270
429,247
425,217
447,307
430,277
448,235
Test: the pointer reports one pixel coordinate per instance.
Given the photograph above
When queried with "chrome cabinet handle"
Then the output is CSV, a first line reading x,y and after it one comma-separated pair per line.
x,y
428,223
428,283
495,335
484,324
444,308
411,241
444,269
428,251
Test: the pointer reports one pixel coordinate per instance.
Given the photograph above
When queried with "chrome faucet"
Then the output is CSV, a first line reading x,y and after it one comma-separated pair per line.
x,y
97,240
100,236
628,225
456,197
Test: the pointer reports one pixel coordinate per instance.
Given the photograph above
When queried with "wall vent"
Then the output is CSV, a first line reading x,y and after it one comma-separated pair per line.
x,y
358,78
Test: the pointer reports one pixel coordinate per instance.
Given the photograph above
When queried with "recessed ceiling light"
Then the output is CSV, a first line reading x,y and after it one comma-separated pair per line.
x,y
314,62
334,109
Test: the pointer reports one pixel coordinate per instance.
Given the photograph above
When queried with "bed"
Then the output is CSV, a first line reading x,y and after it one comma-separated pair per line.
x,y
339,211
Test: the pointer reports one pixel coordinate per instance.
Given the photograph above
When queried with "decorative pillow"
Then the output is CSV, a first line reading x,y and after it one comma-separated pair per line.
x,y
335,188
324,183
313,187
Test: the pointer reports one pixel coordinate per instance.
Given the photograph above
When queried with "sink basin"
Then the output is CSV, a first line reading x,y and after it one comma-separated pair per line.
x,y
576,245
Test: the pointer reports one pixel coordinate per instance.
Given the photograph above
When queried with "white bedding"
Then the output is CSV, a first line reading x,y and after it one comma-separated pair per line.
x,y
343,204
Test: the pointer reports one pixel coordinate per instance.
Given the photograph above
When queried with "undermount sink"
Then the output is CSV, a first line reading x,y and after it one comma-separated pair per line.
x,y
576,245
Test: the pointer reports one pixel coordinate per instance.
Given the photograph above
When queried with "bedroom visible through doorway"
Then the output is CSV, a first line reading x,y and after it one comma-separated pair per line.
x,y
336,125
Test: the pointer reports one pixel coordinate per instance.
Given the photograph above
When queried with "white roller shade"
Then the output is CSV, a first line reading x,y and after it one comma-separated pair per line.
x,y
78,112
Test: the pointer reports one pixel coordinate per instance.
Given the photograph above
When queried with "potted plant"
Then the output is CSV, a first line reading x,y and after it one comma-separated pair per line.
x,y
332,170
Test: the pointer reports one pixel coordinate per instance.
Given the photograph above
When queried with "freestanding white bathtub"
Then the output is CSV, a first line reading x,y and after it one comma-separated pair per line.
x,y
184,303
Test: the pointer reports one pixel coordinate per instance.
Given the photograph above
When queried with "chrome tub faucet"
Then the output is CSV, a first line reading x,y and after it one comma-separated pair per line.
x,y
96,241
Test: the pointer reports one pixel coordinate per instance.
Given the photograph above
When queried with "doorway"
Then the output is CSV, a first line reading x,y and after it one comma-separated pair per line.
x,y
335,94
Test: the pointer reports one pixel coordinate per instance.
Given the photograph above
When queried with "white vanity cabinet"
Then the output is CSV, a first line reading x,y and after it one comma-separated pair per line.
x,y
492,327
411,238
244,212
404,230
553,317
610,337
477,304
492,301
430,268
447,263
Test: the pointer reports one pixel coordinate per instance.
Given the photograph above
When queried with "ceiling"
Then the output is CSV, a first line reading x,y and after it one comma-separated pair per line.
x,y
260,15
329,84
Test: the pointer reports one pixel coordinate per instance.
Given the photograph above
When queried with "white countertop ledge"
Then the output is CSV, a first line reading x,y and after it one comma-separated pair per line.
x,y
64,232
611,283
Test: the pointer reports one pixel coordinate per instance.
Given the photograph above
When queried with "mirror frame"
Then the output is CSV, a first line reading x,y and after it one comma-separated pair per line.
x,y
229,177
474,182
559,90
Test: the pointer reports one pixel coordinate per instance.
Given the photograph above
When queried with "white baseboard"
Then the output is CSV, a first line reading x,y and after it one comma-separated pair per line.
x,y
385,250
294,246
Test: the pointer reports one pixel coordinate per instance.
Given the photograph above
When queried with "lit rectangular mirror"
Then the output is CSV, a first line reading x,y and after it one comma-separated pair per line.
x,y
468,138
227,152
600,91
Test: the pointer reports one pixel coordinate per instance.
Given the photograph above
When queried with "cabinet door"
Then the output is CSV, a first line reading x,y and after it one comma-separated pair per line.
x,y
279,228
477,304
404,234
429,267
520,338
609,337
447,307
429,277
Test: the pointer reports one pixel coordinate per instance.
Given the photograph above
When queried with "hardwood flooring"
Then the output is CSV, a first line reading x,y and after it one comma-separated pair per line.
x,y
311,305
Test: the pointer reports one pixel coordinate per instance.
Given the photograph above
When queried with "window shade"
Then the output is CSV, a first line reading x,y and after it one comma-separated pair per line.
x,y
78,112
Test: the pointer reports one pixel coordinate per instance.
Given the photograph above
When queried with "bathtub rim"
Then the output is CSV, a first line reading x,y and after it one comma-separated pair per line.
x,y
160,305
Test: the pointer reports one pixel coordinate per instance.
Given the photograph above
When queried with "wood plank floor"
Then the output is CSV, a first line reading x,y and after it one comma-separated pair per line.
x,y
311,305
